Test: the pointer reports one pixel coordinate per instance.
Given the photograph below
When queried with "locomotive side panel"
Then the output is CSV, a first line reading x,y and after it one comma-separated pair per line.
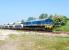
x,y
39,24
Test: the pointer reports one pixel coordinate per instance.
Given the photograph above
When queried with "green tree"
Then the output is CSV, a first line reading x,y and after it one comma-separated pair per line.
x,y
31,18
22,21
64,20
14,23
43,16
8,24
51,16
59,20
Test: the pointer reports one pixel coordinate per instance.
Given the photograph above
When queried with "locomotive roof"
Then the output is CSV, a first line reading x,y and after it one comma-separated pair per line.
x,y
39,20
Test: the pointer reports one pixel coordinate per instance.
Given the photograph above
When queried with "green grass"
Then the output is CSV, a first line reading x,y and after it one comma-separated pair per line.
x,y
42,42
64,28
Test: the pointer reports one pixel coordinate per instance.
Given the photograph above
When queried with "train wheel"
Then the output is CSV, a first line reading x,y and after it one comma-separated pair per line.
x,y
48,30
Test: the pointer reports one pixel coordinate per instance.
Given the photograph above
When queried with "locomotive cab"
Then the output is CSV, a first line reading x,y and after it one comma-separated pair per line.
x,y
49,24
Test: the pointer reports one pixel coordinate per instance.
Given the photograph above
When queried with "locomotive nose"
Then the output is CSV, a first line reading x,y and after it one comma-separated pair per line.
x,y
49,26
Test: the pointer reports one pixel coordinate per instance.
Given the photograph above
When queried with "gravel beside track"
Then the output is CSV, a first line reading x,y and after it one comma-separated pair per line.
x,y
4,33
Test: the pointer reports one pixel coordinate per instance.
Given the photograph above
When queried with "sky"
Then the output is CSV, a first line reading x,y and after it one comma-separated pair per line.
x,y
16,10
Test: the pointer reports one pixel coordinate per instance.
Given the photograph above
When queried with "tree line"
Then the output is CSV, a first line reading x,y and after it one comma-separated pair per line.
x,y
59,20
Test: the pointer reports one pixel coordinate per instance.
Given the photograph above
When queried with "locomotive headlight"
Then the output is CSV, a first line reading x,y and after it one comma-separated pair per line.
x,y
45,26
48,26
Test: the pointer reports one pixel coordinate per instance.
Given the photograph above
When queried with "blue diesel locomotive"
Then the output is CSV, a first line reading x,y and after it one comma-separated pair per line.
x,y
45,24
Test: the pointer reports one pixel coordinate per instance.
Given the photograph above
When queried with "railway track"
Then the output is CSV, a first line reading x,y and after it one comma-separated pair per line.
x,y
43,31
40,31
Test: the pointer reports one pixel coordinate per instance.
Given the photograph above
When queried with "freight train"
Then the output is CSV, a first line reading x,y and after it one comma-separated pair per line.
x,y
44,24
